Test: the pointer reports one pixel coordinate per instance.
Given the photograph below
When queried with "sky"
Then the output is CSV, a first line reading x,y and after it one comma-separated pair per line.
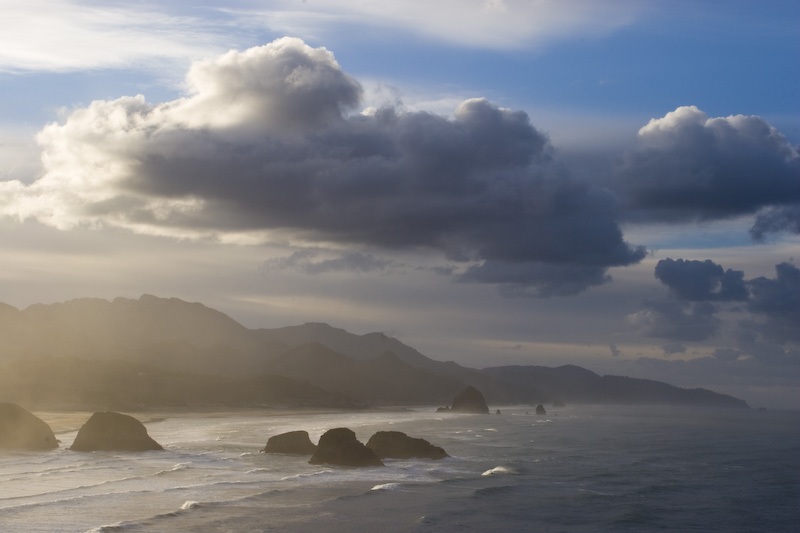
x,y
609,184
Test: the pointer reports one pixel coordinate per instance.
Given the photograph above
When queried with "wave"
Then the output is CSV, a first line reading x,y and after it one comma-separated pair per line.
x,y
500,470
177,468
78,488
187,506
69,500
307,475
387,486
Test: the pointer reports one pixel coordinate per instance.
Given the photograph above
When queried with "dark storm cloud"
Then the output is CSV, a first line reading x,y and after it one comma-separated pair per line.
x,y
679,321
769,329
776,220
701,280
266,149
778,302
553,279
687,166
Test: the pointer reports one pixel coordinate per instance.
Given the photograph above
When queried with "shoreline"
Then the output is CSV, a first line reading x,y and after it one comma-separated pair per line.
x,y
67,421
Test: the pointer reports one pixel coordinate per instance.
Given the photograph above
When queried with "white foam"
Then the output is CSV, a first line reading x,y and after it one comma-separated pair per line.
x,y
189,505
500,470
387,486
176,468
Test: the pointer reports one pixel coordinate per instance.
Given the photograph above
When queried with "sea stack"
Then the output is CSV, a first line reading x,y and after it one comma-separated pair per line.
x,y
340,447
292,442
109,431
540,410
470,400
22,430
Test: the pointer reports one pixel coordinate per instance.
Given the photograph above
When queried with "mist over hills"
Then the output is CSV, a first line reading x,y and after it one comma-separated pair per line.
x,y
165,352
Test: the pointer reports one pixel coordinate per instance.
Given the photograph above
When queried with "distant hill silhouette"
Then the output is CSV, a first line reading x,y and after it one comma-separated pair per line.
x,y
155,352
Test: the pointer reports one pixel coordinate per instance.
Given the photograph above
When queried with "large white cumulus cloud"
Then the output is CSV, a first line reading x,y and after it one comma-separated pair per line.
x,y
267,147
688,166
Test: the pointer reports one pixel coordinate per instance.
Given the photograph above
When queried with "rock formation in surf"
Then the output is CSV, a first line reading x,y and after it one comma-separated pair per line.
x,y
470,400
109,431
292,442
340,447
540,410
22,430
398,445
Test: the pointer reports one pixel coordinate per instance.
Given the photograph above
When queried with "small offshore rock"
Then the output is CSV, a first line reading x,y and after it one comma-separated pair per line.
x,y
540,410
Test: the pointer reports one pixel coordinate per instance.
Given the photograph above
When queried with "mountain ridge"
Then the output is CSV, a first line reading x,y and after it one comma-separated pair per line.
x,y
183,339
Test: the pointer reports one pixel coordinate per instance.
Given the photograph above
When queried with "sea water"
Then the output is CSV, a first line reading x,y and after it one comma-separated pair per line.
x,y
578,468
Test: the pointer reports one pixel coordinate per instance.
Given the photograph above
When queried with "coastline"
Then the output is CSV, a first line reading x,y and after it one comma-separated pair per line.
x,y
67,421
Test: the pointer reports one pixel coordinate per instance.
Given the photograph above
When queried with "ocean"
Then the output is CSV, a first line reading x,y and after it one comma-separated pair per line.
x,y
578,468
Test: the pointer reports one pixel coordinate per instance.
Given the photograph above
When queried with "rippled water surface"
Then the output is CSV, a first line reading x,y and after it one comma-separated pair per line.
x,y
579,468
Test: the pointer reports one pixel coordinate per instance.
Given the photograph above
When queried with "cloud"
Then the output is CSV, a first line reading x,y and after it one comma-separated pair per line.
x,y
777,301
493,24
302,261
669,319
63,35
687,166
726,354
551,279
785,218
671,348
615,352
701,280
772,303
767,330
69,35
268,147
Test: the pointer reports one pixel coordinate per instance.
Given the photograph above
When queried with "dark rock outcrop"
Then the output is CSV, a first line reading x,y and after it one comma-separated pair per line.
x,y
470,400
398,445
340,447
292,442
540,410
22,430
109,431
